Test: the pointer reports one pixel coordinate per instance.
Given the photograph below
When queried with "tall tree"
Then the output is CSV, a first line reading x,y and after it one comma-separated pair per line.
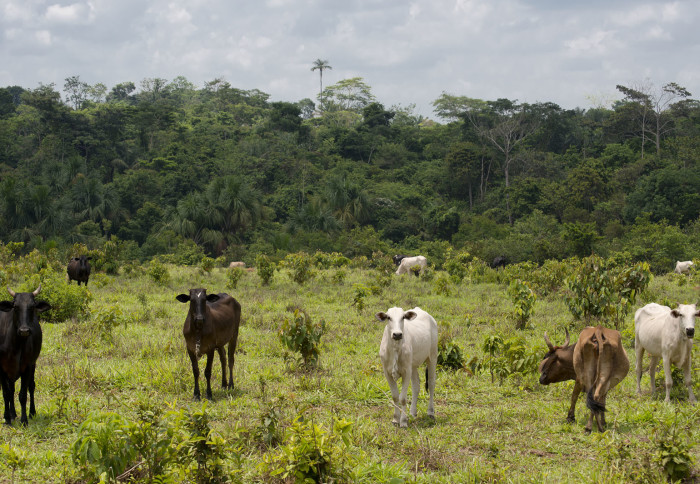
x,y
320,65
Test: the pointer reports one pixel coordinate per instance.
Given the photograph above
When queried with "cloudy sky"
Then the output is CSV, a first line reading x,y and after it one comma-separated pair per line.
x,y
569,52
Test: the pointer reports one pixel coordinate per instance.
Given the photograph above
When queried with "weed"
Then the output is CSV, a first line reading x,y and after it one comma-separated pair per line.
x,y
158,272
13,458
358,299
524,301
233,276
300,335
266,269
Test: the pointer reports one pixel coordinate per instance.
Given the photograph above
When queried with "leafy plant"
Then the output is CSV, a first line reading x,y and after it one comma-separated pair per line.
x,y
158,272
265,268
457,265
443,285
109,317
339,276
233,276
674,452
13,458
300,265
301,335
524,301
207,264
358,299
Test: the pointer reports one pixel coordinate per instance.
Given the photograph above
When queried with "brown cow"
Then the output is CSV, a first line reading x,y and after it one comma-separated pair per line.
x,y
557,366
79,269
212,322
600,362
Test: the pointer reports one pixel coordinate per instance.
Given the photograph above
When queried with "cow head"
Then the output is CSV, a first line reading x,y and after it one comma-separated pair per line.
x,y
397,259
25,308
686,313
558,364
198,299
394,319
83,262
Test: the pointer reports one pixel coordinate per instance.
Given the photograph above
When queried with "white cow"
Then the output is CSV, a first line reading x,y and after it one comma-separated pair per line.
x,y
408,262
666,334
235,264
410,338
683,266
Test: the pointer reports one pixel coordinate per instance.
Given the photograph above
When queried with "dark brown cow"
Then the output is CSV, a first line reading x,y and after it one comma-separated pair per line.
x,y
212,322
20,345
600,362
79,269
557,366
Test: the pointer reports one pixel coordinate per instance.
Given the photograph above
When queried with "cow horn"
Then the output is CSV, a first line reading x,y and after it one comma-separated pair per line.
x,y
37,291
566,330
549,343
12,293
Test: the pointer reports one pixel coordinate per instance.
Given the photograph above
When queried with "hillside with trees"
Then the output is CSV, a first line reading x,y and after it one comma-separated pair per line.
x,y
168,166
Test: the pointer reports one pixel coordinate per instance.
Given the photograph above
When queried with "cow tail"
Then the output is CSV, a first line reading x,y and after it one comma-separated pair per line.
x,y
426,378
592,404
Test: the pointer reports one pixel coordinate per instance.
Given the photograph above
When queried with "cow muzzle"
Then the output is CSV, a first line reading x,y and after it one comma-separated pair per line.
x,y
690,332
397,336
24,332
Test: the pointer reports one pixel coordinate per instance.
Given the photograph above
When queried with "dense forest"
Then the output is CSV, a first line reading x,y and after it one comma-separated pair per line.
x,y
167,167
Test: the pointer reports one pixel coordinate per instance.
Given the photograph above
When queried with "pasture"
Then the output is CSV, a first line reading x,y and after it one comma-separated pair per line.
x,y
127,357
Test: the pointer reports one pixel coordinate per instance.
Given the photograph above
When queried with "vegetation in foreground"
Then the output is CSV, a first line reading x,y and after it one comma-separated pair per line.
x,y
114,385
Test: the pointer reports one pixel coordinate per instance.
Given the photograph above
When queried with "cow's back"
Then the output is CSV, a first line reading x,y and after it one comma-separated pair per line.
x,y
225,317
652,326
423,334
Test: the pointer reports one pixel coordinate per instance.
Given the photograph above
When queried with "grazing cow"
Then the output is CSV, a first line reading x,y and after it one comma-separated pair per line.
x,y
666,334
557,366
683,267
408,262
398,258
410,338
20,345
79,269
233,265
212,322
499,261
600,362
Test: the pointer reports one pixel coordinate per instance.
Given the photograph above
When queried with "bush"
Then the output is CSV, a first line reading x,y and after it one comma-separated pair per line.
x,y
67,300
108,318
457,265
442,285
207,264
301,335
358,299
233,276
265,268
674,452
524,301
158,272
300,266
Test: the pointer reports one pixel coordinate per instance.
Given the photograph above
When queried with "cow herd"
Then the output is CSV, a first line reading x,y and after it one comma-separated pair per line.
x,y
597,361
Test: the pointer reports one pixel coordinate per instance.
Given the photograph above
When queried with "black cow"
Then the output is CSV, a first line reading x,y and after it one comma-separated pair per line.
x,y
79,269
398,258
499,261
20,345
212,321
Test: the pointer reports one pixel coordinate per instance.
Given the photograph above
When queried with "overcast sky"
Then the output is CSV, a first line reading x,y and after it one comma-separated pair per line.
x,y
409,52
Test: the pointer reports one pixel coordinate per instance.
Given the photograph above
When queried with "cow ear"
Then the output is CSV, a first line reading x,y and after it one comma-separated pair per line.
x,y
381,316
42,306
89,257
213,297
6,306
675,313
183,298
410,315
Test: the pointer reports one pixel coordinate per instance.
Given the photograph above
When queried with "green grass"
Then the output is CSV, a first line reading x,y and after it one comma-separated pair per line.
x,y
515,432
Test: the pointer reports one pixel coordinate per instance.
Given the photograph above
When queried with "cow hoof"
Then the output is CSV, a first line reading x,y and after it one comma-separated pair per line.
x,y
571,420
587,431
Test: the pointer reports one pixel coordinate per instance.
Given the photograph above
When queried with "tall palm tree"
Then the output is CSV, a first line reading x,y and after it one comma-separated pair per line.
x,y
320,65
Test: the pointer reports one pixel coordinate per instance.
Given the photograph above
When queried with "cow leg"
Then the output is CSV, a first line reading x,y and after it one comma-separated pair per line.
x,y
394,396
688,380
415,387
195,373
639,350
7,400
600,416
23,398
207,373
222,359
31,386
431,386
407,377
231,360
653,363
571,416
668,378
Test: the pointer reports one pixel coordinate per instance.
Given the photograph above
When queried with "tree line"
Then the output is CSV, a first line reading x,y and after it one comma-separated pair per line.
x,y
168,164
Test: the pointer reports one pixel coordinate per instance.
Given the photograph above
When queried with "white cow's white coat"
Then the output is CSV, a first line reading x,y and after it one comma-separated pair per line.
x,y
410,339
408,262
664,333
683,266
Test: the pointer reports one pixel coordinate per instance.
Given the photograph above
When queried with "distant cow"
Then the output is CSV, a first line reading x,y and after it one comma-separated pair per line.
x,y
398,258
408,262
79,269
212,322
20,345
233,265
557,366
600,362
499,261
410,339
683,267
666,334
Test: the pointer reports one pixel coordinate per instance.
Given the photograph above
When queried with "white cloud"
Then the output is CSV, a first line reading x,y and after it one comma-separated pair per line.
x,y
43,37
596,43
77,13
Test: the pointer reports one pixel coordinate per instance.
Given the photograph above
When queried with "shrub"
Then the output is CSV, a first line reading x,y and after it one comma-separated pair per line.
x,y
457,265
13,458
524,301
509,357
265,268
674,452
233,276
301,335
311,453
338,277
207,264
300,266
67,300
358,299
442,285
450,355
108,318
158,272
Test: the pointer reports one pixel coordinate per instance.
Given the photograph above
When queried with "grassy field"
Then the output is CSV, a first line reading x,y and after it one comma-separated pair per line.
x,y
511,431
